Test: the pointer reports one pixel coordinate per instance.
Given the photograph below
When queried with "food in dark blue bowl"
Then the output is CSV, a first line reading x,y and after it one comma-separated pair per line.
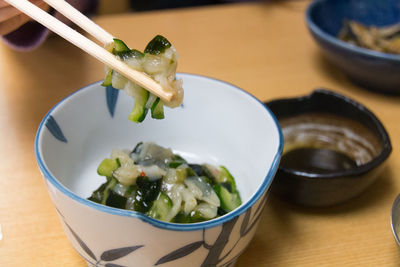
x,y
384,39
371,69
334,148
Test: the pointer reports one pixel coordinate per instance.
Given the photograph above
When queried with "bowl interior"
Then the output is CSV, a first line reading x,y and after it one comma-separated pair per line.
x,y
217,124
329,14
329,121
331,142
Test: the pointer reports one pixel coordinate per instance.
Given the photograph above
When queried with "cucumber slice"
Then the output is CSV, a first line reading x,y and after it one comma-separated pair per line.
x,y
157,109
226,177
136,54
157,45
181,174
175,164
200,170
120,47
139,110
108,79
107,166
161,207
177,161
192,217
229,201
129,55
108,189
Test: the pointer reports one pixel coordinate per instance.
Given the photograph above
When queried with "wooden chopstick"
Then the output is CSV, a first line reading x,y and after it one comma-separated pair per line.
x,y
92,48
81,20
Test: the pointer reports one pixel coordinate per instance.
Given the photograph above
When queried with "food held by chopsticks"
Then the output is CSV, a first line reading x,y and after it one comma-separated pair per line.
x,y
152,71
384,39
159,61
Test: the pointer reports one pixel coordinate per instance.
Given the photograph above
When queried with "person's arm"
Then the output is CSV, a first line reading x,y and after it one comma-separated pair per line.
x,y
24,34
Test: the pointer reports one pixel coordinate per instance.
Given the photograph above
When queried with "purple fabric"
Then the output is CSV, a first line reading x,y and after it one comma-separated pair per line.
x,y
30,35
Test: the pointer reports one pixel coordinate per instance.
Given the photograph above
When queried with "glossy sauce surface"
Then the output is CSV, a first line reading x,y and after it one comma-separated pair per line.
x,y
323,142
317,160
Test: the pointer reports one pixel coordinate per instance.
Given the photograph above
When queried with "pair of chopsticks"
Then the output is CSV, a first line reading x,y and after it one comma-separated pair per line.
x,y
87,45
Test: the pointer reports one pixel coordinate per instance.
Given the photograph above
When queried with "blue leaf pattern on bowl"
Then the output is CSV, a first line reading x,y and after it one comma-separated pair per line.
x,y
213,257
112,97
108,255
181,252
113,265
81,243
215,250
115,254
54,129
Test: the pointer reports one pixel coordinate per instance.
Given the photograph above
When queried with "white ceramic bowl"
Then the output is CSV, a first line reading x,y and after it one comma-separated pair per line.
x,y
218,123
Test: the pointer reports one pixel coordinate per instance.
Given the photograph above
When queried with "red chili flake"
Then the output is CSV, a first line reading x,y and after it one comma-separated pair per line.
x,y
142,174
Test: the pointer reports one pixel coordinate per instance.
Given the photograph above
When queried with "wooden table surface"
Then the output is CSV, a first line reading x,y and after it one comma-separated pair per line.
x,y
263,48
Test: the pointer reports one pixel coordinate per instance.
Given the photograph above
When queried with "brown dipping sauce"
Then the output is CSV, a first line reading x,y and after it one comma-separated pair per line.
x,y
317,160
325,143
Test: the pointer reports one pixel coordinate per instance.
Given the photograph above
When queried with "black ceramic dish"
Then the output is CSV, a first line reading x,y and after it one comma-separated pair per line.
x,y
333,127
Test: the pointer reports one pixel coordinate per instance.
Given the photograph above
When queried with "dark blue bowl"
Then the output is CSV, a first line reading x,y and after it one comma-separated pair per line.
x,y
368,68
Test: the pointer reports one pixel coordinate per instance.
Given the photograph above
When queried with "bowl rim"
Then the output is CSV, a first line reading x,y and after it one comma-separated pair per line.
x,y
353,172
396,204
262,188
314,28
